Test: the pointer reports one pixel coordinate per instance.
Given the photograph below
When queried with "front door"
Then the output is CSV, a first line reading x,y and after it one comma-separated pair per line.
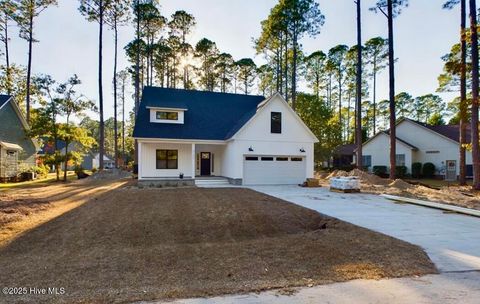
x,y
205,164
451,170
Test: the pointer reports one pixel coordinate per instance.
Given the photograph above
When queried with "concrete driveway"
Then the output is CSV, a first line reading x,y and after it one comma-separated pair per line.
x,y
452,241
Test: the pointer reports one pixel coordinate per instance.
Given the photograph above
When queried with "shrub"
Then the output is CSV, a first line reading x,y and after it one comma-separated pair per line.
x,y
79,169
380,170
94,170
42,170
416,170
400,171
428,170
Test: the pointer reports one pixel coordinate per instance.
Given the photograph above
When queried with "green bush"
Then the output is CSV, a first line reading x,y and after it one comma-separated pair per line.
x,y
79,169
380,170
428,170
94,170
42,170
416,170
400,171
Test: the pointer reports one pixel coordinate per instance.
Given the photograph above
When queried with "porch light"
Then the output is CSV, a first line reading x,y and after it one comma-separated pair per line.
x,y
250,149
302,150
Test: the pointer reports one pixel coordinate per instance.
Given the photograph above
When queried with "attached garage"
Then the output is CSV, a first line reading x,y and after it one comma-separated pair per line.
x,y
273,170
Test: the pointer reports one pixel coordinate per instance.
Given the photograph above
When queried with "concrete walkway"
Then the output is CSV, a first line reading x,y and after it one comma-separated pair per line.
x,y
452,241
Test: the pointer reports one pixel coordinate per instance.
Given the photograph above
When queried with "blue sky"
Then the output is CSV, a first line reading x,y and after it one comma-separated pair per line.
x,y
424,32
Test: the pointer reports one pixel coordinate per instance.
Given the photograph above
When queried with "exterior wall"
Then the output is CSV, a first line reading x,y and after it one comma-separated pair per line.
x,y
426,140
148,166
378,148
256,134
12,131
217,151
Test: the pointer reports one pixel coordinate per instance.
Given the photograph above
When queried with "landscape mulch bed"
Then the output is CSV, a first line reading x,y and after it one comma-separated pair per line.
x,y
145,244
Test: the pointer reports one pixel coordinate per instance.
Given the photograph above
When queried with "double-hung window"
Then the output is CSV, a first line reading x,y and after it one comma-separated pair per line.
x,y
167,159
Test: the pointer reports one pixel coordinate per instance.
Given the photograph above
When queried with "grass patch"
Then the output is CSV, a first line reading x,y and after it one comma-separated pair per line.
x,y
144,244
51,178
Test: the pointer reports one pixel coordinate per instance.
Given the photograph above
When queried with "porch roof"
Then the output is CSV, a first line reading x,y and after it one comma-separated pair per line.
x,y
10,146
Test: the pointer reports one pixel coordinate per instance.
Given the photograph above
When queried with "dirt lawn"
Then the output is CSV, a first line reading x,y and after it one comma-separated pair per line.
x,y
130,244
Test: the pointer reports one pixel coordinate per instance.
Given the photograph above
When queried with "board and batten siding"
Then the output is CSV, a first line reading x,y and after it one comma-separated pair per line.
x,y
148,161
257,134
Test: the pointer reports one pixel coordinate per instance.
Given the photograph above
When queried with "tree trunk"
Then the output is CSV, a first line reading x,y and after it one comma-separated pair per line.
x,y
463,96
358,108
391,73
123,122
294,70
286,67
65,167
7,57
137,75
29,65
100,87
115,62
340,100
375,95
475,144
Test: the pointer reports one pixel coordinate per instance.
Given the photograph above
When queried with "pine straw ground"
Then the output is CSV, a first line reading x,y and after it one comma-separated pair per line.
x,y
133,244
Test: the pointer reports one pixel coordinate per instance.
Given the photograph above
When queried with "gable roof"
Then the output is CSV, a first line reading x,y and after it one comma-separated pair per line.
x,y
4,99
208,115
263,105
451,132
387,133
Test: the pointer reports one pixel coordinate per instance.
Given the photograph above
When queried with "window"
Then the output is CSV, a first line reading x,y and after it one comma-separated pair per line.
x,y
432,152
367,160
167,159
267,158
276,122
251,158
400,159
297,159
282,158
164,115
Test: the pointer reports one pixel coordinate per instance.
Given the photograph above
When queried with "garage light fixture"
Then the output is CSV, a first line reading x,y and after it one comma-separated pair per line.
x,y
302,150
250,149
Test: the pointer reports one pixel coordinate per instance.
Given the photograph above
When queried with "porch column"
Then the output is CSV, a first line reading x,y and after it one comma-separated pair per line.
x,y
139,161
193,161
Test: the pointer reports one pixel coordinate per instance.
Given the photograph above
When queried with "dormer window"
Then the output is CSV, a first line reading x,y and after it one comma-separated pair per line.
x,y
164,115
167,115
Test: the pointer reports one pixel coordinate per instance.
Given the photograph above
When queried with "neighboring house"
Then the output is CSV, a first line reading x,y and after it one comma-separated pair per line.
x,y
344,156
17,149
419,142
247,139
92,160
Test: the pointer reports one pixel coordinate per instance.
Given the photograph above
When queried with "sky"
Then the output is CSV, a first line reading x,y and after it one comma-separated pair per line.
x,y
68,43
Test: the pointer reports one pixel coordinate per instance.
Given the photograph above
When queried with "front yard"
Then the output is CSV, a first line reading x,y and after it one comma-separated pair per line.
x,y
130,244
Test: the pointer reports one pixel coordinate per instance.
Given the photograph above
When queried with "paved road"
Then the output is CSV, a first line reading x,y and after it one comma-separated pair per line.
x,y
452,241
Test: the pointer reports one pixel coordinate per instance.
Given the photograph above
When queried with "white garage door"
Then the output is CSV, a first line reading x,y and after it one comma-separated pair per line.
x,y
273,170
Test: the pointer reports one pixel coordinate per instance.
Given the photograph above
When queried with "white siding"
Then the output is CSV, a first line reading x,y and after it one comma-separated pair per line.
x,y
379,149
148,160
427,140
256,134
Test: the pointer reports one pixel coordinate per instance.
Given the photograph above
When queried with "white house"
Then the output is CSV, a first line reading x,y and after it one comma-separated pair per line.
x,y
245,139
419,142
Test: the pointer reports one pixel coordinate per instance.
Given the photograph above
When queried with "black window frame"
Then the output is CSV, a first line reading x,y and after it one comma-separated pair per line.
x,y
170,157
281,159
251,158
168,115
276,122
296,159
267,158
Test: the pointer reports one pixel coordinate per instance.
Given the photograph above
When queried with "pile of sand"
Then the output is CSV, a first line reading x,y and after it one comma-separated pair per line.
x,y
400,184
337,173
112,174
367,178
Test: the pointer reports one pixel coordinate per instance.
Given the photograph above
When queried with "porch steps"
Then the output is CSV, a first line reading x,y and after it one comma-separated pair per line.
x,y
211,182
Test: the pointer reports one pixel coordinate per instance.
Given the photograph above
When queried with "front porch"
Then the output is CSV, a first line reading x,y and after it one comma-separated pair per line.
x,y
166,162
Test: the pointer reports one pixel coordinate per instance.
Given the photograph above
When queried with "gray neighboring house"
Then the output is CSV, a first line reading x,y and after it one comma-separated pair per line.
x,y
17,149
